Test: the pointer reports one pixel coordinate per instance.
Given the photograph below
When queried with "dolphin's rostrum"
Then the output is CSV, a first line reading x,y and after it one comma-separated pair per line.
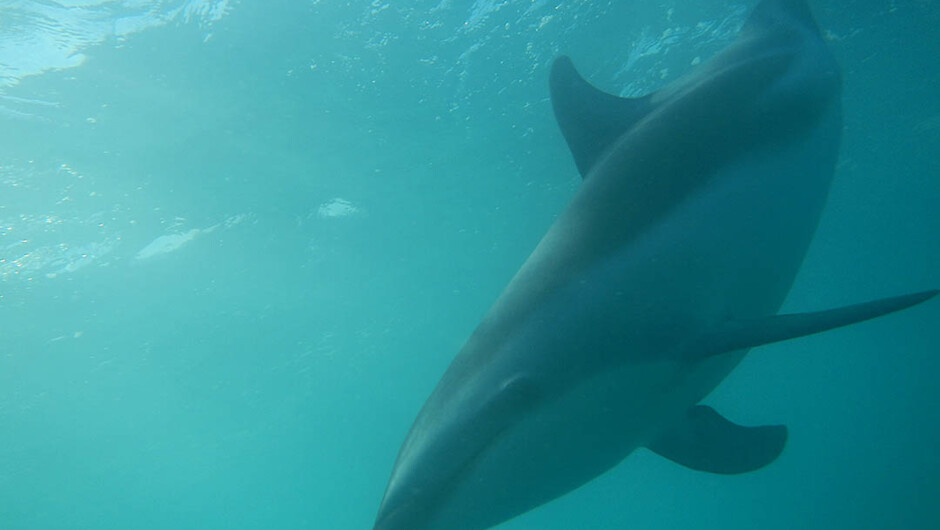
x,y
697,206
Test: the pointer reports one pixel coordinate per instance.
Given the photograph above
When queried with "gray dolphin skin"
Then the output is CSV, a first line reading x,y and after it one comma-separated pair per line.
x,y
697,206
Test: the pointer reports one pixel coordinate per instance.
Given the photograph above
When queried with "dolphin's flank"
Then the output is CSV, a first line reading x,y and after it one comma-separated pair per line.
x,y
697,206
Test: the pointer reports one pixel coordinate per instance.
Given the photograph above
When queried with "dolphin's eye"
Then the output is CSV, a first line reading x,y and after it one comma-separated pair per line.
x,y
518,393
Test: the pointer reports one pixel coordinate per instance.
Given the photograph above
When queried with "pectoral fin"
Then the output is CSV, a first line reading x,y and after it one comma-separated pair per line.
x,y
742,334
706,441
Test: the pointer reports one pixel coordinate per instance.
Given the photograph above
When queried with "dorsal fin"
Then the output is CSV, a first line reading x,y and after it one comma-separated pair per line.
x,y
590,119
771,13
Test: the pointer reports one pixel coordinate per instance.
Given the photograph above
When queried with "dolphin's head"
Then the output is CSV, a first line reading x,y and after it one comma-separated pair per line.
x,y
404,514
419,493
444,477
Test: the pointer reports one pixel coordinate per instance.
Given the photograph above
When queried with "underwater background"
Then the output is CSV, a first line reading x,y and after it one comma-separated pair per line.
x,y
240,240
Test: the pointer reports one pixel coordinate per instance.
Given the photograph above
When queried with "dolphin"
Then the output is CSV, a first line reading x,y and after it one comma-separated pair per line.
x,y
697,205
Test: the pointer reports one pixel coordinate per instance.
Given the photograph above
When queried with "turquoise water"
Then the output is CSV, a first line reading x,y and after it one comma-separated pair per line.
x,y
241,240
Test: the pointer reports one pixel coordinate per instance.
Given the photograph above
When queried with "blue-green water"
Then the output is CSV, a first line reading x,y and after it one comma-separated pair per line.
x,y
241,240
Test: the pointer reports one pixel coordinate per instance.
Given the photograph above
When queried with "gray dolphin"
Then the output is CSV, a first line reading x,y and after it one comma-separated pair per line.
x,y
697,206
